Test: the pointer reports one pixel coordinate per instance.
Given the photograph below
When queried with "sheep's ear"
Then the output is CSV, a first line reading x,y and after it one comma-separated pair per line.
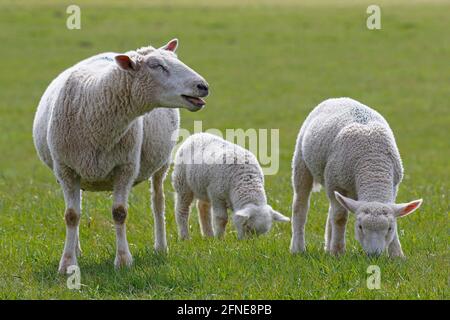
x,y
172,45
276,216
125,62
347,203
403,209
243,213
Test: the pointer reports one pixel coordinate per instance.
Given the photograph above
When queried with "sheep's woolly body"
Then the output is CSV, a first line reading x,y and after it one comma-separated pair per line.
x,y
110,122
239,181
223,176
71,126
348,146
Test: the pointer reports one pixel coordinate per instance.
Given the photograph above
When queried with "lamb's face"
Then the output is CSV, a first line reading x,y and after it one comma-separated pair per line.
x,y
375,227
376,222
256,220
160,79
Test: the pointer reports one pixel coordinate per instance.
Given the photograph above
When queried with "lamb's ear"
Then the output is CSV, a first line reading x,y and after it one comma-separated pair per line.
x,y
243,213
276,216
125,62
172,45
403,209
347,203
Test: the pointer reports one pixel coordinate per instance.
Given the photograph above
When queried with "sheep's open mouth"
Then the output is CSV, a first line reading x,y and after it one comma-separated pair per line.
x,y
196,101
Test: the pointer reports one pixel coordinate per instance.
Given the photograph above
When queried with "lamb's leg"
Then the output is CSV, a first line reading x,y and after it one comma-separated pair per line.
x,y
220,218
395,248
337,216
70,184
328,229
158,208
124,179
302,182
204,216
182,207
78,248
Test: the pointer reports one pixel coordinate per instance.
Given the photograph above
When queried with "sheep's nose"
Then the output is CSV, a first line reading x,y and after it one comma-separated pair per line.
x,y
203,88
374,254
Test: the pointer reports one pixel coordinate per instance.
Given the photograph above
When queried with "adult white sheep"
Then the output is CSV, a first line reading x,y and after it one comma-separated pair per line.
x,y
94,129
223,176
350,149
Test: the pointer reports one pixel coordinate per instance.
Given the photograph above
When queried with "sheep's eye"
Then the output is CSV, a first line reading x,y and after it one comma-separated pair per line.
x,y
390,228
360,227
160,66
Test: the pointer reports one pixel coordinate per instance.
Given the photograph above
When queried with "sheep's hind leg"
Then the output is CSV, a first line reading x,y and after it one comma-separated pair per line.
x,y
159,208
182,207
204,216
70,184
302,182
220,218
122,185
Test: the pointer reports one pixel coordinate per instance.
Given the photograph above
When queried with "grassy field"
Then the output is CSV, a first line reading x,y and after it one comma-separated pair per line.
x,y
268,65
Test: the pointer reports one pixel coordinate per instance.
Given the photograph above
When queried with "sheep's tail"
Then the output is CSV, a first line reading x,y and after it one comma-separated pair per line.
x,y
316,186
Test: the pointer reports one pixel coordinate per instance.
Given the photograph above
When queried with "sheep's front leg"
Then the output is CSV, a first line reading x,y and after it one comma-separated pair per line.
x,y
158,209
220,218
70,184
395,248
78,248
182,204
302,182
337,217
328,229
124,179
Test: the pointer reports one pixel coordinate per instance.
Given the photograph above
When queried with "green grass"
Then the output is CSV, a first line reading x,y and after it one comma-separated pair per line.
x,y
268,66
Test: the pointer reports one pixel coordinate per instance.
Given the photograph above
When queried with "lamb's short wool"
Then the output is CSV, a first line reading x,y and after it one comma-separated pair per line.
x,y
222,176
98,128
350,149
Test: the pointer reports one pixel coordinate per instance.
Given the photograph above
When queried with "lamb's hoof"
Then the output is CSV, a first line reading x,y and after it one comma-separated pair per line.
x,y
337,253
123,259
183,237
296,248
66,262
161,248
399,256
337,249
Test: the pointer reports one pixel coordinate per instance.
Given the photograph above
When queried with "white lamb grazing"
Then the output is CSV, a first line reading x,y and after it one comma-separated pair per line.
x,y
222,176
94,128
350,149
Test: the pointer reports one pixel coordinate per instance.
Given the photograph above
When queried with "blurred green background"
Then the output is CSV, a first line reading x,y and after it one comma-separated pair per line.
x,y
268,63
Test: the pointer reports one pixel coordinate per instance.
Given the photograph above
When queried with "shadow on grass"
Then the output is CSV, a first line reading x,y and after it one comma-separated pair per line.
x,y
353,256
151,273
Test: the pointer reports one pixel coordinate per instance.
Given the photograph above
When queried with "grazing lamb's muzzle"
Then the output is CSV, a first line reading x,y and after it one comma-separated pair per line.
x,y
374,253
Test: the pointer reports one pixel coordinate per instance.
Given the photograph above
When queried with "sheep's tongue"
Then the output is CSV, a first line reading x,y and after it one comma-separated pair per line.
x,y
196,101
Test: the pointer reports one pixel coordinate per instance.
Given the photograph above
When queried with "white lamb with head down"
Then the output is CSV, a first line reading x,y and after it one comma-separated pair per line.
x,y
350,149
95,128
222,176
